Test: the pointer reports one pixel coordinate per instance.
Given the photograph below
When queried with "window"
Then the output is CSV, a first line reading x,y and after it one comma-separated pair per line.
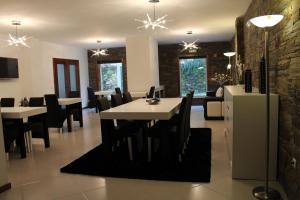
x,y
111,76
193,76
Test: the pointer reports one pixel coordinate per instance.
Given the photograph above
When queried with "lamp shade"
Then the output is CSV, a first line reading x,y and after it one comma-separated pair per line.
x,y
229,54
266,20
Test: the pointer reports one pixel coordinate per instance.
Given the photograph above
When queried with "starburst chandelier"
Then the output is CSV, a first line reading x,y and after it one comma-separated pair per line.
x,y
190,46
155,22
15,40
99,52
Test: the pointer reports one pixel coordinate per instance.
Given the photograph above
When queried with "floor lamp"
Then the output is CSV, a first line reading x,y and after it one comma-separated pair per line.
x,y
265,22
229,55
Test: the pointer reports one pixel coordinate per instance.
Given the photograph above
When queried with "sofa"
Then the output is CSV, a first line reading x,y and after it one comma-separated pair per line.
x,y
213,106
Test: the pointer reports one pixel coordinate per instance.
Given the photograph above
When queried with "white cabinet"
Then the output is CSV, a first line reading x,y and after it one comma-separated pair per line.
x,y
245,119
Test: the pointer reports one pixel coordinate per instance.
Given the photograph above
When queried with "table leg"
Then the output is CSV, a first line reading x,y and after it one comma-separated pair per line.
x,y
69,121
80,115
46,132
20,137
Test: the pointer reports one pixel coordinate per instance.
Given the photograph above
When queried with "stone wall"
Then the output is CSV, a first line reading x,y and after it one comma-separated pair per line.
x,y
169,55
285,79
115,55
168,64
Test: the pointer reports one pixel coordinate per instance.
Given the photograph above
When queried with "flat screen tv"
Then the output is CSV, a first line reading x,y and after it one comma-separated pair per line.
x,y
9,68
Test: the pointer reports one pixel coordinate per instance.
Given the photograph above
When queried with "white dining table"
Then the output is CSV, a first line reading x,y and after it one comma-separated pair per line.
x,y
17,114
141,110
70,103
104,93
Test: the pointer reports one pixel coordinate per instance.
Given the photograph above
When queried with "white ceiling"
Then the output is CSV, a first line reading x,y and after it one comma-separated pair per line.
x,y
82,22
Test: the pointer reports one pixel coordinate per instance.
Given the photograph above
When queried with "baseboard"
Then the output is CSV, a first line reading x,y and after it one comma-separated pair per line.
x,y
5,187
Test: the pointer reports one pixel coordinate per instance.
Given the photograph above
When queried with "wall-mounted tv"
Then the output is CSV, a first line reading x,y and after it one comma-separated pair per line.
x,y
9,68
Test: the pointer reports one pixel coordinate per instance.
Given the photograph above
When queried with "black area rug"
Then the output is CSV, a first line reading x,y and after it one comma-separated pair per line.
x,y
195,166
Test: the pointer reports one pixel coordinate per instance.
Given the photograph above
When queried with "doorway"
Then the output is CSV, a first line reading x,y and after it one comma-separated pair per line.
x,y
66,77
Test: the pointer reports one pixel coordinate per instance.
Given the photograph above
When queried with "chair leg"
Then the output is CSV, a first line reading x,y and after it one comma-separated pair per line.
x,y
130,148
180,158
149,149
30,140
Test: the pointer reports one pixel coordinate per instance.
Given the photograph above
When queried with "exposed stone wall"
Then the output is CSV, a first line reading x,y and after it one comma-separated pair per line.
x,y
285,79
169,74
115,55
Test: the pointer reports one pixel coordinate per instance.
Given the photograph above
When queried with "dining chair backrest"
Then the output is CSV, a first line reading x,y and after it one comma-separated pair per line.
x,y
188,113
127,97
7,102
118,91
181,126
36,101
53,108
74,94
116,100
104,104
151,92
107,126
91,94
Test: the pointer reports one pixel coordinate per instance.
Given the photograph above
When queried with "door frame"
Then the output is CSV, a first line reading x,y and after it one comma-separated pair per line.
x,y
66,63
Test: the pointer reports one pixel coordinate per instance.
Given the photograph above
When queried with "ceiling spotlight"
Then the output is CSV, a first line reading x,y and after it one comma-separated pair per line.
x,y
15,40
99,52
155,22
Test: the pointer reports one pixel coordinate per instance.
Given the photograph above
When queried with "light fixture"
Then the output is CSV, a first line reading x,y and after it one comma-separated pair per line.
x,y
99,52
266,21
149,23
229,55
191,47
15,40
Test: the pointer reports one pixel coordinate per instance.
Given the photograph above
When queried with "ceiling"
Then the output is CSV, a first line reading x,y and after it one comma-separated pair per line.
x,y
82,22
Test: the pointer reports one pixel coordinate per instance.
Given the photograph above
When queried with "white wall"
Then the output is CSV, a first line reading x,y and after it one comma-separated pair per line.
x,y
36,69
142,63
3,164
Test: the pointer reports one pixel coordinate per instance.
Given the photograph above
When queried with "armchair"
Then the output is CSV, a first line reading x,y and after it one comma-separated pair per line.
x,y
213,106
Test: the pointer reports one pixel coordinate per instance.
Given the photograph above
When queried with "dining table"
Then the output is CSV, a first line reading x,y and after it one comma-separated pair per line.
x,y
18,116
70,104
104,92
139,109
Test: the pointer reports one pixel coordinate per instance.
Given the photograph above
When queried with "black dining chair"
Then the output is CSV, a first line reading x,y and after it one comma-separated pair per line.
x,y
170,135
113,136
151,92
36,102
127,97
92,99
118,91
55,114
10,133
36,124
7,102
116,100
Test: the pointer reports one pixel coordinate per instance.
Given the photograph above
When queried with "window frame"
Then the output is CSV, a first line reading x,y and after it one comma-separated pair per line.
x,y
179,71
99,75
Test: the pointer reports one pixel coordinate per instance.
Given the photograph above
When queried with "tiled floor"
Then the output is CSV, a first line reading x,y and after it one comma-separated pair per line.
x,y
38,178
